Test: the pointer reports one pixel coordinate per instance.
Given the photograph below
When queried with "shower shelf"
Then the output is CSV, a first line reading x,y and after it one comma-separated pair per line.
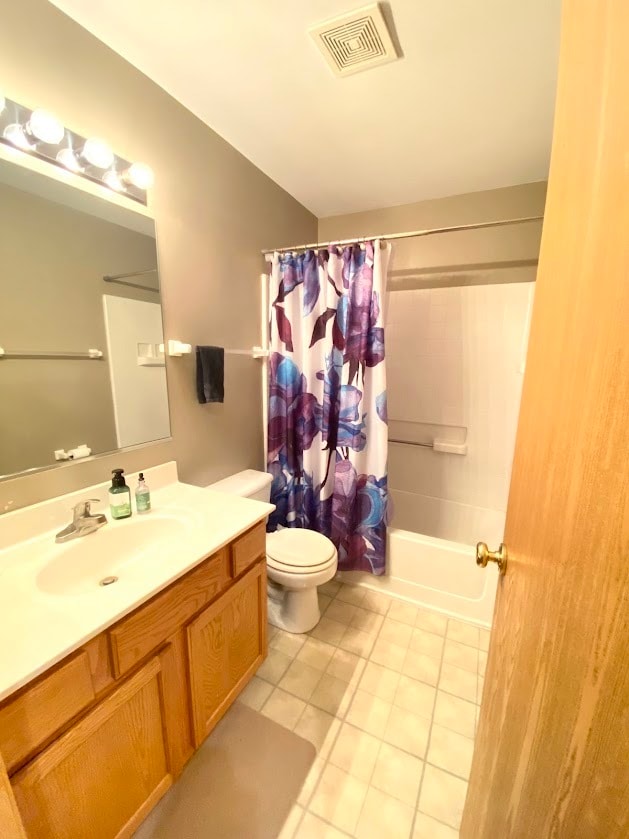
x,y
441,446
444,438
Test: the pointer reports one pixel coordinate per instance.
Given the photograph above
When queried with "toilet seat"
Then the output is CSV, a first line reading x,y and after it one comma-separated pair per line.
x,y
299,551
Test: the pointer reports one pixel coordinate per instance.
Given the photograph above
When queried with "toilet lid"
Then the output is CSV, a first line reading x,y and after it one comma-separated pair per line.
x,y
299,549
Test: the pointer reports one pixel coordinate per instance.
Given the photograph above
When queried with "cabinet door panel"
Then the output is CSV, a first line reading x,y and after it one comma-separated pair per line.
x,y
173,659
208,660
226,645
10,819
243,641
102,776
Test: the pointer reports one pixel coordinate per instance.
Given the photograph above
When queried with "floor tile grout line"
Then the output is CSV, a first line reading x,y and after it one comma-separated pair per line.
x,y
375,763
343,719
322,674
356,687
369,660
326,762
371,774
393,599
446,771
425,761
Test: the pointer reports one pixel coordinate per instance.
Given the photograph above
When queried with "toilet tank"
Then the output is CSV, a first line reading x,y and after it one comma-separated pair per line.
x,y
249,483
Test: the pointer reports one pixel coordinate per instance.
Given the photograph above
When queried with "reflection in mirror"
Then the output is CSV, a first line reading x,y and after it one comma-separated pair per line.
x,y
80,324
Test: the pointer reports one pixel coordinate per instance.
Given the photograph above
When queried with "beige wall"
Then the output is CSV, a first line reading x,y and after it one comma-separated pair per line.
x,y
507,254
52,300
214,212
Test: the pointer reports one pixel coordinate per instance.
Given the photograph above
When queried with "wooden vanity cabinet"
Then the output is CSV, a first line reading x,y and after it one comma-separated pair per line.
x,y
91,745
106,772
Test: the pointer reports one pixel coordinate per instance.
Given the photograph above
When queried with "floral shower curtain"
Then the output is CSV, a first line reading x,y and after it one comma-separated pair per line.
x,y
327,428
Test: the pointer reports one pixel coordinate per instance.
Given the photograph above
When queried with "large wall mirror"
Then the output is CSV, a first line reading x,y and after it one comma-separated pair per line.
x,y
81,332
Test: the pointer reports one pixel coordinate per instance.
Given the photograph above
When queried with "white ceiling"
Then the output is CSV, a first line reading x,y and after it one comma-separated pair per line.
x,y
468,107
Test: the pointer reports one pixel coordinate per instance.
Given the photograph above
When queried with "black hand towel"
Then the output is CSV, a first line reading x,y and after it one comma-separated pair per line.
x,y
210,374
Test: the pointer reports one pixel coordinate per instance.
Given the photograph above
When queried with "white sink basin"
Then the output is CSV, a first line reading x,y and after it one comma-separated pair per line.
x,y
81,564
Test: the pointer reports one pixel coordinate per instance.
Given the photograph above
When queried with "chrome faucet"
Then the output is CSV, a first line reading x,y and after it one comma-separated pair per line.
x,y
83,522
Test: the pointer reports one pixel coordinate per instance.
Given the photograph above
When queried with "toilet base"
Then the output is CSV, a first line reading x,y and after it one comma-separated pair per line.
x,y
293,610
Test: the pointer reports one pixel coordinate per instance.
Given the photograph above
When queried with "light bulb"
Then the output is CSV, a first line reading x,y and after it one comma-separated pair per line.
x,y
67,158
140,175
98,153
16,135
113,180
46,127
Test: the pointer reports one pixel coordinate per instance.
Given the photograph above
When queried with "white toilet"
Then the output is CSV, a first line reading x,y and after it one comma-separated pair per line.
x,y
297,560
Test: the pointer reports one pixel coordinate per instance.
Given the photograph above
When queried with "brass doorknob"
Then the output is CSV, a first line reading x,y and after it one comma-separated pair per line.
x,y
484,555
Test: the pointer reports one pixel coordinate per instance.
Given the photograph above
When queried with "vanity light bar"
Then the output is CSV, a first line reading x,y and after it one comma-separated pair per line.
x,y
39,133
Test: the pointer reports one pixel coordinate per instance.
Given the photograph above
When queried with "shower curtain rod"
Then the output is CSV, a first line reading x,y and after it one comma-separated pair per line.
x,y
410,235
111,278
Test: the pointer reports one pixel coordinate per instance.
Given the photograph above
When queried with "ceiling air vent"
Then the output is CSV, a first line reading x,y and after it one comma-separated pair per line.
x,y
356,41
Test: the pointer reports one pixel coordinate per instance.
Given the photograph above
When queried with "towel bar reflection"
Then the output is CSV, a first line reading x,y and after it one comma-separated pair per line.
x,y
90,355
254,352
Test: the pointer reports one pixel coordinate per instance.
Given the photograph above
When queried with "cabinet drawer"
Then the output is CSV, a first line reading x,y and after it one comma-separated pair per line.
x,y
149,626
35,714
248,549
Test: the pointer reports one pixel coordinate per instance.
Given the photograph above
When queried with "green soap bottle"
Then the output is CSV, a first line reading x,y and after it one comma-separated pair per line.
x,y
119,496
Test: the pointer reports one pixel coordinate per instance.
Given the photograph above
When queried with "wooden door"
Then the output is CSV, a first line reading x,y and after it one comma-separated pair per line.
x,y
226,645
102,777
552,753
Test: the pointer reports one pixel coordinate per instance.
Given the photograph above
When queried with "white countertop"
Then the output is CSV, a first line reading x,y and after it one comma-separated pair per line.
x,y
39,627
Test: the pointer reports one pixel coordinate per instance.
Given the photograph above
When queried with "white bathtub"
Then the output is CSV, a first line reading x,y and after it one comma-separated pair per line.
x,y
435,574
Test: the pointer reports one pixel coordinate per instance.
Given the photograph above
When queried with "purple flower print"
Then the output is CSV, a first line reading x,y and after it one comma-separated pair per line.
x,y
302,269
355,331
381,406
319,421
292,413
296,499
311,281
354,517
338,417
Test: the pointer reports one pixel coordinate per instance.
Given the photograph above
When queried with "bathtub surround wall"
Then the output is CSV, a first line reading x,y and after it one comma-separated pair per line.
x,y
466,347
214,212
458,317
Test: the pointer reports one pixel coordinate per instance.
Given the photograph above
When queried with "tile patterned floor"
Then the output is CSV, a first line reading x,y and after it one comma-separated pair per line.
x,y
389,695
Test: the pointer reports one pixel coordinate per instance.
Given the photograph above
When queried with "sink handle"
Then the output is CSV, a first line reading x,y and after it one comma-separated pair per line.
x,y
83,508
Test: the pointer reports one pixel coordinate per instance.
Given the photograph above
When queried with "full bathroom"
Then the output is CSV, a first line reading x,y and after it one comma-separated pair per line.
x,y
313,415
